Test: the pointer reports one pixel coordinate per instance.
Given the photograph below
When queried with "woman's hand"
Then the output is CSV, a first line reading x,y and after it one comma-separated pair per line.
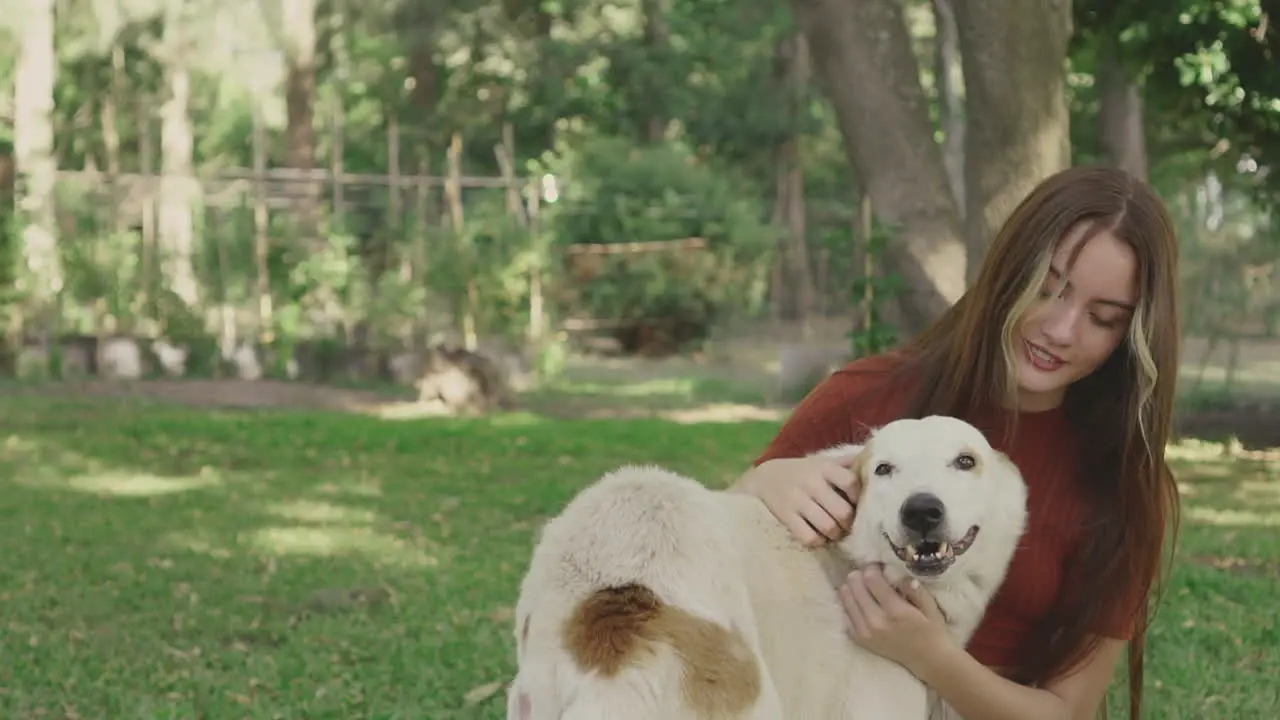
x,y
812,497
906,627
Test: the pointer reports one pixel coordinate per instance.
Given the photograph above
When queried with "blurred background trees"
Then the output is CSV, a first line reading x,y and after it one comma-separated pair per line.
x,y
329,189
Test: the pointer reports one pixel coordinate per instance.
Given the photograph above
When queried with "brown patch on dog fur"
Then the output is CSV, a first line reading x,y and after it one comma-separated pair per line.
x,y
617,627
610,627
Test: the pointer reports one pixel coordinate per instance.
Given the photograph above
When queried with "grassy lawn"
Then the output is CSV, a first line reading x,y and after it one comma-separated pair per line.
x,y
171,563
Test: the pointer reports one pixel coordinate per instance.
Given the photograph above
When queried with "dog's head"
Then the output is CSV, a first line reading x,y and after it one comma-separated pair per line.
x,y
936,498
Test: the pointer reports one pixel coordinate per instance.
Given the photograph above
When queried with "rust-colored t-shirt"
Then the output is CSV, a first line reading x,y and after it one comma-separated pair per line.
x,y
860,396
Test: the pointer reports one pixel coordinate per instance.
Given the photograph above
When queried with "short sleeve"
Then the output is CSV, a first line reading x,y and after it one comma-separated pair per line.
x,y
841,409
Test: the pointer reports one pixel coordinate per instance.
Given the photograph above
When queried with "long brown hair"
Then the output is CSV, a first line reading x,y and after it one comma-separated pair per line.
x,y
962,364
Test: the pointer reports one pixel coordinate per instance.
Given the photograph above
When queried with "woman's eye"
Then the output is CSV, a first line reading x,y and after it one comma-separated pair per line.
x,y
1104,323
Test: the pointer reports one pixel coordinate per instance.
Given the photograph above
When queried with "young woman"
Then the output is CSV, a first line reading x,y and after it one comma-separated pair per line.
x,y
1065,353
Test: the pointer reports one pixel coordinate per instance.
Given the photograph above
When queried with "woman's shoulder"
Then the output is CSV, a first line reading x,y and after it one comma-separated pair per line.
x,y
874,369
867,380
883,379
861,395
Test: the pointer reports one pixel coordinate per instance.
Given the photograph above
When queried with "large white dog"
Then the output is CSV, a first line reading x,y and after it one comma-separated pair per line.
x,y
652,597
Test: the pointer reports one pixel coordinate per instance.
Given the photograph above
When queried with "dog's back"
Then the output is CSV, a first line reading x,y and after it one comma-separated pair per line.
x,y
637,586
650,596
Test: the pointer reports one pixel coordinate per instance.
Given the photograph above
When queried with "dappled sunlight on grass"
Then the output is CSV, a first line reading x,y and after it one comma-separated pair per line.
x,y
318,512
682,394
1196,450
1259,493
37,464
199,541
722,413
239,572
132,484
1205,470
1260,378
1222,487
337,541
325,529
679,387
33,462
517,419
1232,518
1211,649
358,488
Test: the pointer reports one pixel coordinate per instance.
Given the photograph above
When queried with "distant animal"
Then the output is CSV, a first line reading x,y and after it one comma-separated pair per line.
x,y
652,597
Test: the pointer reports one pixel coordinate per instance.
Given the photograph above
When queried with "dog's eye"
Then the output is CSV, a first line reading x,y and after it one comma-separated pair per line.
x,y
884,469
965,461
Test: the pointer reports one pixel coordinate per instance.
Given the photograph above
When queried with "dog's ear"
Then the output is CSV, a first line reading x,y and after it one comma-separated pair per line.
x,y
842,454
1005,463
859,466
856,458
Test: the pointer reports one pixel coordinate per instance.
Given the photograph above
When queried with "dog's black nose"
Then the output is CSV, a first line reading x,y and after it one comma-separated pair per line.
x,y
922,512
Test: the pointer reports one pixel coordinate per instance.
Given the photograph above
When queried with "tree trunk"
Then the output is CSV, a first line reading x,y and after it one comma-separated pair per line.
x,y
1121,122
792,71
1014,54
177,146
37,167
656,37
111,103
950,77
299,30
862,53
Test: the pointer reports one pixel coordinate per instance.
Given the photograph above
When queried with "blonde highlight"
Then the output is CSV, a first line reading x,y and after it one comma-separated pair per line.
x,y
1148,374
1013,319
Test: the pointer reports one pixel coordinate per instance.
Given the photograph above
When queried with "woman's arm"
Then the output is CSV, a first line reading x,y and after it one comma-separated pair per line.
x,y
910,629
811,496
977,692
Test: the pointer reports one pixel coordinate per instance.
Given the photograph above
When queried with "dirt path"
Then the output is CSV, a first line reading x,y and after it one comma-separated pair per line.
x,y
733,381
252,394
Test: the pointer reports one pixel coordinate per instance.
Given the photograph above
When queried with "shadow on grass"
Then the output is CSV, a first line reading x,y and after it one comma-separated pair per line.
x,y
611,392
1211,647
1223,485
164,562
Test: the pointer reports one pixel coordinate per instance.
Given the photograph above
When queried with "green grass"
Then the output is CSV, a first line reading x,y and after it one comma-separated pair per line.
x,y
171,563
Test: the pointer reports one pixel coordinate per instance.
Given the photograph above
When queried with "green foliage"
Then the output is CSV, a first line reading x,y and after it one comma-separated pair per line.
x,y
486,265
866,296
1228,254
871,294
1210,73
593,81
614,191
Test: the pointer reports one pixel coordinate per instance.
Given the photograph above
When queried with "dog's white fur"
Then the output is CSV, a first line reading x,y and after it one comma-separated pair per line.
x,y
723,557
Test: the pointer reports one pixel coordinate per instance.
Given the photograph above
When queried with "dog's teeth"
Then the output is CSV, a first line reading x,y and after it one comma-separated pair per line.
x,y
942,548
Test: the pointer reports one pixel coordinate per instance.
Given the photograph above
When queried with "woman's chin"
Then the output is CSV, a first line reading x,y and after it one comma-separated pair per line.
x,y
1038,390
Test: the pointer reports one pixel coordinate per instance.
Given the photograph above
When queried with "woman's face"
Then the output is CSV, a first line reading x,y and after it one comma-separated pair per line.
x,y
1080,318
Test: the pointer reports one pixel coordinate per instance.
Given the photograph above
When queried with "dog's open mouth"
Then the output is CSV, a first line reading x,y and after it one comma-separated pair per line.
x,y
930,557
